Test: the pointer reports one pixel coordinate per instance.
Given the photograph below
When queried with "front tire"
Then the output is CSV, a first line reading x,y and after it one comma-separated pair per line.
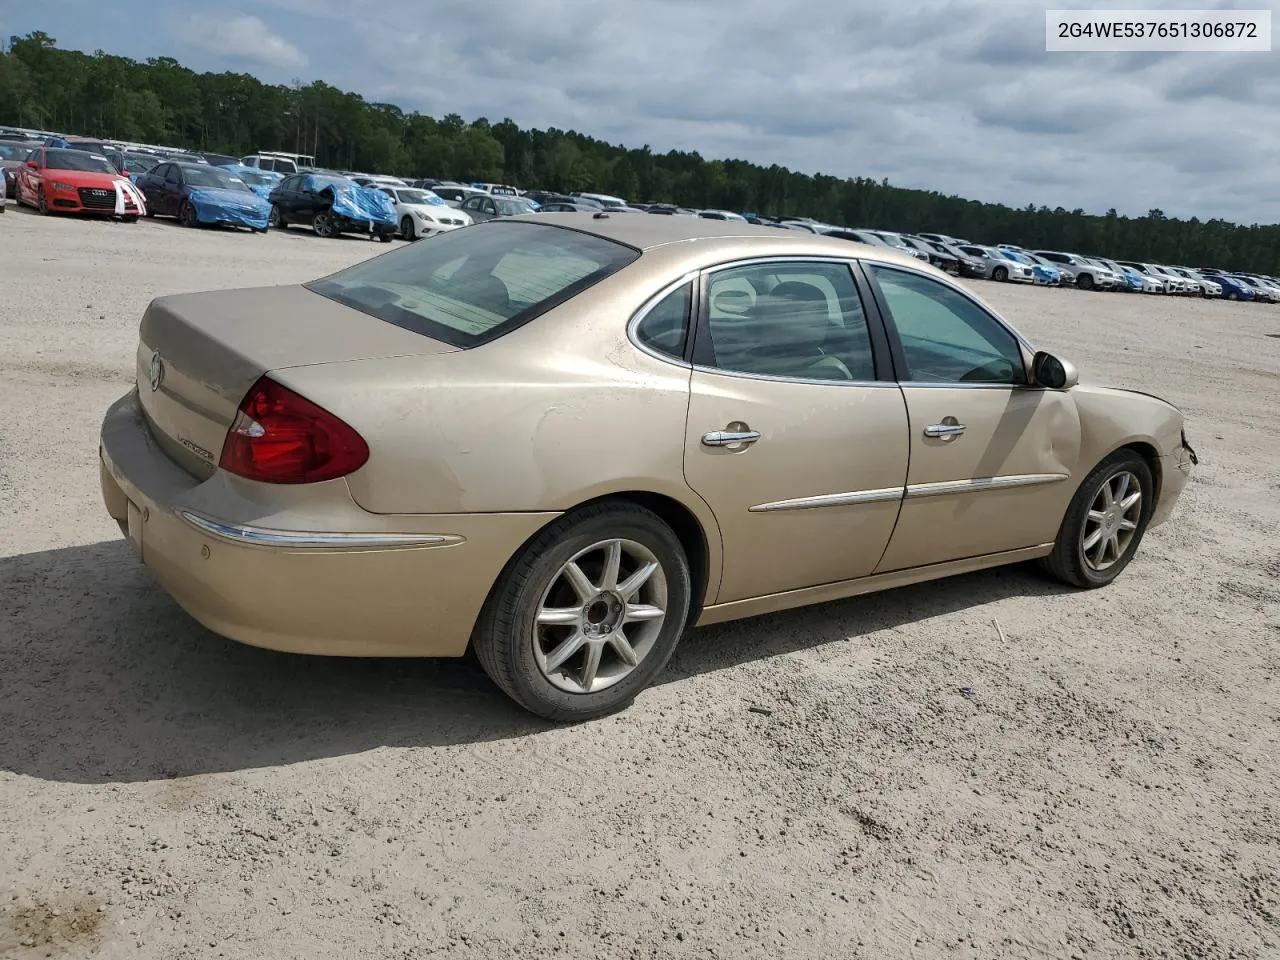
x,y
187,214
1104,523
406,229
1084,281
1000,274
42,203
587,614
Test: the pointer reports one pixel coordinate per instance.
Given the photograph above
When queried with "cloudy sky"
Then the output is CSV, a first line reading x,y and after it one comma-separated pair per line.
x,y
953,95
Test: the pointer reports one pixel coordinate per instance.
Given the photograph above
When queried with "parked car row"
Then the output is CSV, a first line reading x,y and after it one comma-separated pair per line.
x,y
274,189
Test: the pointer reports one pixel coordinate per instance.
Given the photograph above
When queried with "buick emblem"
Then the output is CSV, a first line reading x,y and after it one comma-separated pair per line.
x,y
155,372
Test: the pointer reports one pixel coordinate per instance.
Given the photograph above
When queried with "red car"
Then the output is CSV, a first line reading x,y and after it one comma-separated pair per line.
x,y
55,180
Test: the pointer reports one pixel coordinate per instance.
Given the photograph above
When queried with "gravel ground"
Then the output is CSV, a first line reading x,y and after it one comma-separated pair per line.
x,y
1105,785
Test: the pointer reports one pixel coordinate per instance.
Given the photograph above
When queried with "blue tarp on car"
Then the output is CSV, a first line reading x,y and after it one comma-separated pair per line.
x,y
353,201
251,176
213,205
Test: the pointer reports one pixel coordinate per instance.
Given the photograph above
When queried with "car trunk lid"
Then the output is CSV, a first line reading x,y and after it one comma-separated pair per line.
x,y
198,355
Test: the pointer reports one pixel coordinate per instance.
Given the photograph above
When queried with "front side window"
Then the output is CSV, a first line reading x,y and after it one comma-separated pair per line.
x,y
467,287
945,336
665,328
793,319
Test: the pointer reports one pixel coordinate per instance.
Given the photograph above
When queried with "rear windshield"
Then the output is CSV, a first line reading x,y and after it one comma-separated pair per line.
x,y
469,286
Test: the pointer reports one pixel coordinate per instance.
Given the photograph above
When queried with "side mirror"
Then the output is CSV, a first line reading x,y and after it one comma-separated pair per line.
x,y
33,164
1054,374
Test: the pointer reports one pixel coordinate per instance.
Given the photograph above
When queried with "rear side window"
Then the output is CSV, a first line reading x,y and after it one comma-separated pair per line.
x,y
665,328
468,287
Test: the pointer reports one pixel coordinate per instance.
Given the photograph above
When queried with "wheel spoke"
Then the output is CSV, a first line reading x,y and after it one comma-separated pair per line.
x,y
1091,540
1108,498
1097,516
631,586
583,587
1122,486
622,646
566,649
1113,547
1128,525
592,664
559,616
1128,502
642,611
612,561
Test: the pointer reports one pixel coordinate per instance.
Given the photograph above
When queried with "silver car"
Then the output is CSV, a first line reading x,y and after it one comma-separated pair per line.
x,y
998,267
1086,275
895,242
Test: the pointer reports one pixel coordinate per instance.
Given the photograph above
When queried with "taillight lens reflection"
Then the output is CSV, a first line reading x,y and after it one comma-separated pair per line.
x,y
281,437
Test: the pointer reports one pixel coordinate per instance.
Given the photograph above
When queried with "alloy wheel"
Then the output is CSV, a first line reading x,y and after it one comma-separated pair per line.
x,y
600,616
1112,521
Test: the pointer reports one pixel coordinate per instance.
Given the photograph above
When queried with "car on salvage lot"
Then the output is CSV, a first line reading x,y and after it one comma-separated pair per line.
x,y
420,455
61,180
1081,272
199,193
13,154
422,214
332,205
999,267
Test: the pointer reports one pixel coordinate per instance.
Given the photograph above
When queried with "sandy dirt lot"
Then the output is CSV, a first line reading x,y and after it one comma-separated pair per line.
x,y
1109,786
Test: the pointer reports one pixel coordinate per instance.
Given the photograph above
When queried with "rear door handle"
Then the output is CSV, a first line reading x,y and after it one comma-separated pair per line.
x,y
944,431
725,438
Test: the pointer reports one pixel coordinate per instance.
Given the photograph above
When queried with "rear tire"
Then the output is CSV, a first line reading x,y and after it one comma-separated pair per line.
x,y
130,219
1093,544
322,223
385,237
546,664
1000,274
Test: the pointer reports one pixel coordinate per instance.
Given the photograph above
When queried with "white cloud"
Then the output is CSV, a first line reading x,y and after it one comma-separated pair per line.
x,y
241,39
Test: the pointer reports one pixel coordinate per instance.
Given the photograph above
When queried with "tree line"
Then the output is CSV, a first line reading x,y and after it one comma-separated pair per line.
x,y
160,101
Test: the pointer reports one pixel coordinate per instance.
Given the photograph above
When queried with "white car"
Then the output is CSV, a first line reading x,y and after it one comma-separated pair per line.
x,y
1207,286
376,180
422,214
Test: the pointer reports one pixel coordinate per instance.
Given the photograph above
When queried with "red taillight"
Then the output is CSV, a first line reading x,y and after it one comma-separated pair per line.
x,y
281,437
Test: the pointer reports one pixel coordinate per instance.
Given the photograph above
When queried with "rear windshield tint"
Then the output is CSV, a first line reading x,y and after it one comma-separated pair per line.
x,y
469,286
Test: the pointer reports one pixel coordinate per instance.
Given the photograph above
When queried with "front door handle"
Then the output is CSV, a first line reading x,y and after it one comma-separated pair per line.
x,y
945,431
725,438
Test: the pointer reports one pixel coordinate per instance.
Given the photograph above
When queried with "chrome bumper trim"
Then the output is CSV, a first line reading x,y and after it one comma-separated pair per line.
x,y
264,537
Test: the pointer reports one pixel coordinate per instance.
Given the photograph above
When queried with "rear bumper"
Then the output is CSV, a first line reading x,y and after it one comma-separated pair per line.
x,y
304,569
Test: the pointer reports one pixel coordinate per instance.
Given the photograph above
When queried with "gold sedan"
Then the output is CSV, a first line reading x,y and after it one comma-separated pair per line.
x,y
563,439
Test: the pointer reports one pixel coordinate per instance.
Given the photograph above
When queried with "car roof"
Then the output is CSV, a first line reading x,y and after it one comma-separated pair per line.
x,y
645,231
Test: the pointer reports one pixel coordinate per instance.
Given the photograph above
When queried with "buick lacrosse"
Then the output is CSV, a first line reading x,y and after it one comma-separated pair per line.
x,y
561,440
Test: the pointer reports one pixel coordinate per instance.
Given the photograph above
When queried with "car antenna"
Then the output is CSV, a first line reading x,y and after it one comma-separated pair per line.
x,y
600,216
